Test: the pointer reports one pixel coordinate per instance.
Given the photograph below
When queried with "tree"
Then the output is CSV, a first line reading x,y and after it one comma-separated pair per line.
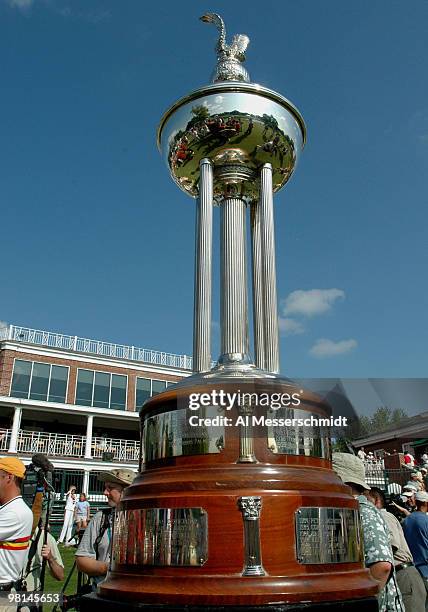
x,y
383,418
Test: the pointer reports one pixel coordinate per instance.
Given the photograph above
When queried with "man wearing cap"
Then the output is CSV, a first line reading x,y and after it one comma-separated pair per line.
x,y
415,481
378,555
93,554
409,580
16,521
415,529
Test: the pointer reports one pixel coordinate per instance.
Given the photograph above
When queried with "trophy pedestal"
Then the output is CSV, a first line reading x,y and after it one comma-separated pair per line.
x,y
225,517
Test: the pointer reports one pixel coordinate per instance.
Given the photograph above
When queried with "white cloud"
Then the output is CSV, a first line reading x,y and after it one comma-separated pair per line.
x,y
290,327
311,302
324,347
3,324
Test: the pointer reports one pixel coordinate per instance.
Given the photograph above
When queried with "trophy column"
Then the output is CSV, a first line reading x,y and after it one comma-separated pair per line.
x,y
233,282
203,266
257,268
270,306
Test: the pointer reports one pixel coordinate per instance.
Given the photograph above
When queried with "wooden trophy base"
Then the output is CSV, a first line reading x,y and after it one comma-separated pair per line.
x,y
230,519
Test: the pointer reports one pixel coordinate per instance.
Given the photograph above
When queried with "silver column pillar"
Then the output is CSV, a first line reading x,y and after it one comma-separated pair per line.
x,y
257,269
270,307
203,257
233,282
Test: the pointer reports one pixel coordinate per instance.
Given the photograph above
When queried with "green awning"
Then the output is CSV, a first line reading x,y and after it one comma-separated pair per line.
x,y
420,442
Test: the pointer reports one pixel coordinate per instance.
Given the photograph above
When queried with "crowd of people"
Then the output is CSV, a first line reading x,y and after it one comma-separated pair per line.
x,y
27,551
395,533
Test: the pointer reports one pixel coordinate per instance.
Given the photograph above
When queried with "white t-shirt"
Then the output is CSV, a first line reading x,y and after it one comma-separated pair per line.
x,y
16,521
33,578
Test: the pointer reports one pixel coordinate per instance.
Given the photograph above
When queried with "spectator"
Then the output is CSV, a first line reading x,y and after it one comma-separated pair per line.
x,y
394,488
415,529
378,555
70,505
361,454
82,512
424,473
409,460
409,580
415,480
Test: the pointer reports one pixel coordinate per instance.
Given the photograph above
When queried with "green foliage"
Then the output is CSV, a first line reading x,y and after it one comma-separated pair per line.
x,y
201,112
340,445
383,418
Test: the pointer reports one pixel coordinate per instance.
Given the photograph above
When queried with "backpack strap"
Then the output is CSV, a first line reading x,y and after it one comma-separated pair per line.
x,y
105,524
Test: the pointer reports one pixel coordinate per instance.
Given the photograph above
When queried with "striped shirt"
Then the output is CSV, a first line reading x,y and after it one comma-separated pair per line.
x,y
16,520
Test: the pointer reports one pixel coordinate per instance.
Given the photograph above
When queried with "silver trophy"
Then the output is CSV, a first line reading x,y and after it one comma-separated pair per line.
x,y
233,144
234,514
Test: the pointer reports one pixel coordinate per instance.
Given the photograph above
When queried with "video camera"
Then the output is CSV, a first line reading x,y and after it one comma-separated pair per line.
x,y
38,478
392,501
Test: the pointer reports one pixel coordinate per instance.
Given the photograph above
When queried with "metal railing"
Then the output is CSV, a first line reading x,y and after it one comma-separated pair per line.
x,y
96,347
123,450
71,445
4,439
378,476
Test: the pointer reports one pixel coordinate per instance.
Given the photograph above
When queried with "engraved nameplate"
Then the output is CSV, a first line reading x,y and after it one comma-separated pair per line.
x,y
286,436
169,434
328,535
161,536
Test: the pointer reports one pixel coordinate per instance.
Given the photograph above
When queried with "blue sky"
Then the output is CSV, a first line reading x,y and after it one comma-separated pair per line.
x,y
97,241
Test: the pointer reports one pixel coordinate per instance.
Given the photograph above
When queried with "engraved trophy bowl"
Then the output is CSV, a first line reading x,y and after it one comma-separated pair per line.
x,y
234,125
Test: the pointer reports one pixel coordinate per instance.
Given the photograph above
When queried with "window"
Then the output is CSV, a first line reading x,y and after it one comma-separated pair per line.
x,y
58,386
39,381
118,392
158,386
146,387
143,391
21,378
101,389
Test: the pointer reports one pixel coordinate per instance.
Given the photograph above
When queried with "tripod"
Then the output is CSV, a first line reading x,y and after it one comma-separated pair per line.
x,y
72,601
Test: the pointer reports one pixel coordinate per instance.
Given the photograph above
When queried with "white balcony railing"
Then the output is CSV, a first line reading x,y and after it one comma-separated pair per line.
x,y
4,439
123,450
70,445
96,347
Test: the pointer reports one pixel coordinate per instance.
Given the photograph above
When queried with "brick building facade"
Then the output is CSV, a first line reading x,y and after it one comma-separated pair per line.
x,y
77,400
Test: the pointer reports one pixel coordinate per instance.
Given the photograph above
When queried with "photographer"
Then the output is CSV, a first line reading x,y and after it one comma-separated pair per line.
x,y
16,520
93,554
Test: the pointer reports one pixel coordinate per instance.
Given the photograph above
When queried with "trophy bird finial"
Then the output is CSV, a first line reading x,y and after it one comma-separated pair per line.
x,y
229,57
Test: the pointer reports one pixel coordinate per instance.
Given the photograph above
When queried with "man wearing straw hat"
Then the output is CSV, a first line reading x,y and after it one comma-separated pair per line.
x,y
378,555
93,554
